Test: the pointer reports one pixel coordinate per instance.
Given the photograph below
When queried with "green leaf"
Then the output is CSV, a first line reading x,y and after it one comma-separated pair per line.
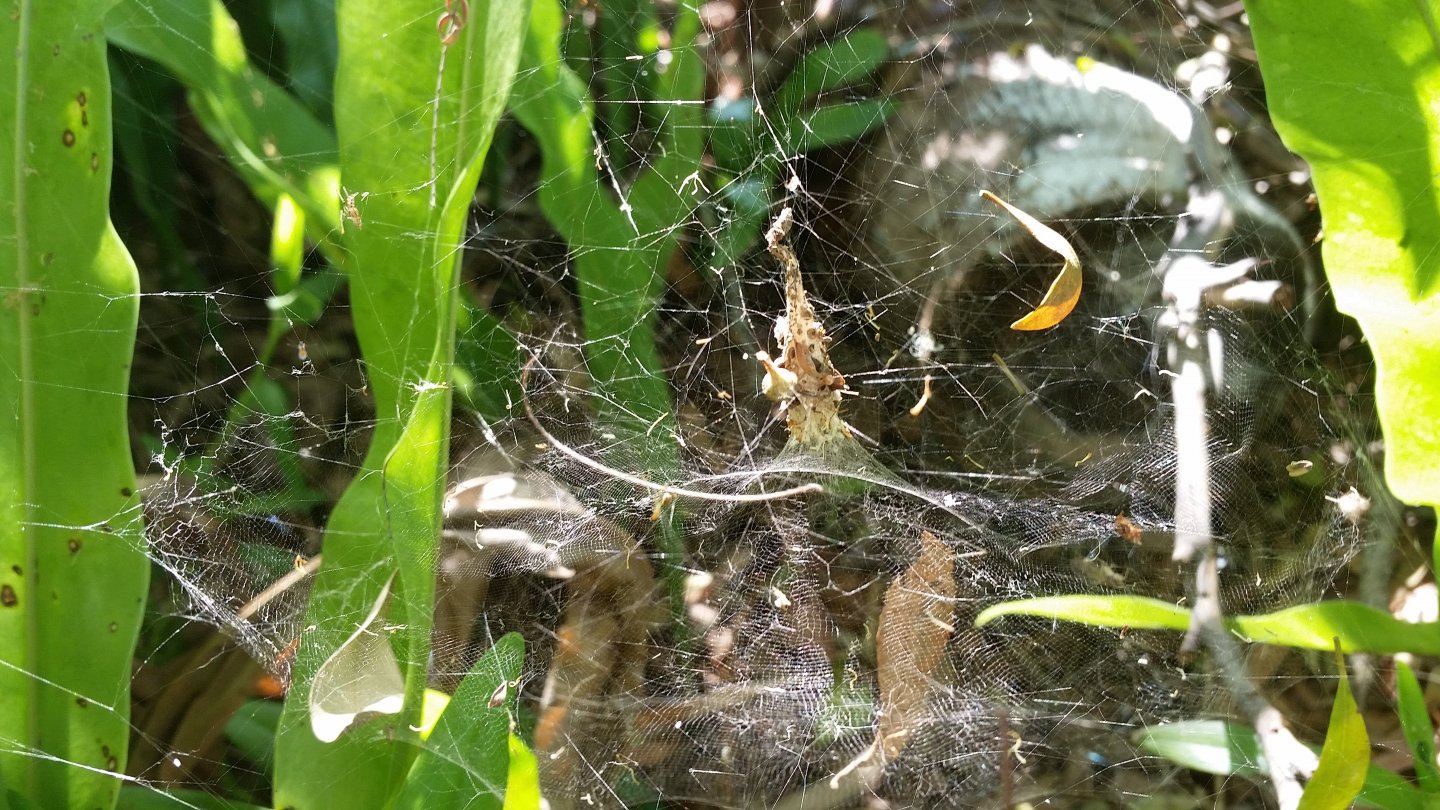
x,y
837,64
835,123
73,573
1351,88
620,249
1345,756
1418,730
252,731
466,761
522,784
269,137
1359,627
1227,749
144,797
415,148
1137,612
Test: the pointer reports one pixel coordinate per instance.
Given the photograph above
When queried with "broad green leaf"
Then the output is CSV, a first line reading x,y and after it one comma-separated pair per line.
x,y
830,66
1345,756
466,760
1352,89
835,123
1228,749
73,573
414,117
1418,730
275,144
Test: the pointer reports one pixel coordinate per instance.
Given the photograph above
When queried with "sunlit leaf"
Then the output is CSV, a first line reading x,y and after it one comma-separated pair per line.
x,y
466,758
1064,292
915,622
1137,612
1359,627
74,573
1372,155
522,784
1346,754
1229,749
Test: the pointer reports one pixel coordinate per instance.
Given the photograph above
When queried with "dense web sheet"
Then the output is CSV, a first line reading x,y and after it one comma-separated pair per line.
x,y
782,644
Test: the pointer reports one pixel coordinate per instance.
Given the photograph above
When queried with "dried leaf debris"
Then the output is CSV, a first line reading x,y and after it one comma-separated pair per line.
x,y
803,380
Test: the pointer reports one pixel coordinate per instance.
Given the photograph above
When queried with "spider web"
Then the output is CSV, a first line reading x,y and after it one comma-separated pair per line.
x,y
817,650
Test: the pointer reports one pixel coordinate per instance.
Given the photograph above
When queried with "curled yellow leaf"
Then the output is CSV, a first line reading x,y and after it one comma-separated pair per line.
x,y
1064,291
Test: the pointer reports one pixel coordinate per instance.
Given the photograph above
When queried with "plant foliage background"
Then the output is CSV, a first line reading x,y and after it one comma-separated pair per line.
x,y
473,412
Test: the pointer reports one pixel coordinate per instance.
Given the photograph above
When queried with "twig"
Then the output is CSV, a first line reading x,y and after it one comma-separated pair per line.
x,y
1188,278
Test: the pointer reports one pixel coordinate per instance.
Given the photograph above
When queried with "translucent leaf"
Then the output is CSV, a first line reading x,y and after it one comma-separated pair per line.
x,y
917,619
1139,612
1064,292
1346,754
360,677
1371,154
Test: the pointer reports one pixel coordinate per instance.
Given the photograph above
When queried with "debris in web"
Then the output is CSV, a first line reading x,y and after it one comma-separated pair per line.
x,y
1064,292
803,381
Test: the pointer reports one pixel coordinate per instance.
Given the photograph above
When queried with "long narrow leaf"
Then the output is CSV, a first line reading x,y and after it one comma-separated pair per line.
x,y
74,573
415,116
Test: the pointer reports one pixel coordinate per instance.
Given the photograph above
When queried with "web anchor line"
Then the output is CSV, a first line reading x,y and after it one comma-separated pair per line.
x,y
645,483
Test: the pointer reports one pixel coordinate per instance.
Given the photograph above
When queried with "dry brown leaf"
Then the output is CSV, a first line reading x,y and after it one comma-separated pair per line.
x,y
915,623
1064,292
802,380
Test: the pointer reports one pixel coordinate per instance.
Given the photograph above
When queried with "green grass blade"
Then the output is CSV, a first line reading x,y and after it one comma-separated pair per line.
x,y
1351,88
467,757
416,149
1359,627
1138,612
1418,730
74,573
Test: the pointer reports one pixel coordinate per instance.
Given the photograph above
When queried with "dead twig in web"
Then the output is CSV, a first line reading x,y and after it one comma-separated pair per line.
x,y
1193,353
